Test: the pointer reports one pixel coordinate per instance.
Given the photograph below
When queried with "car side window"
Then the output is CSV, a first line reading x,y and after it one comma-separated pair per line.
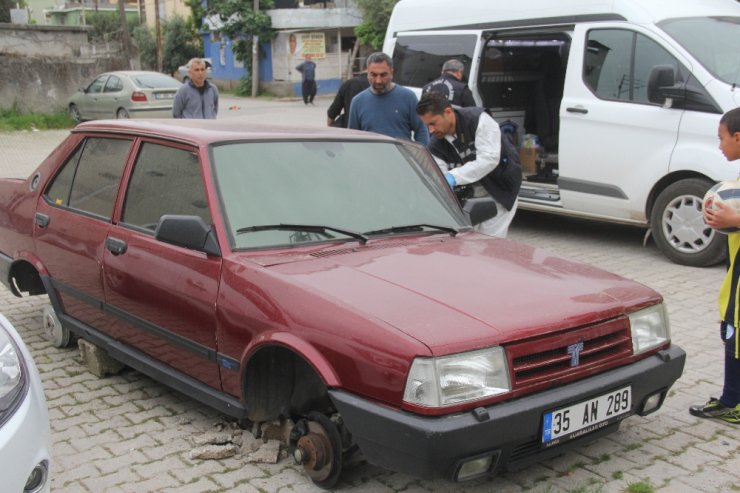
x,y
96,85
165,180
618,64
114,84
89,180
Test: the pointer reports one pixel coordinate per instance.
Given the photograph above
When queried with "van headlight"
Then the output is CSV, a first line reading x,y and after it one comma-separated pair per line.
x,y
447,380
12,376
649,328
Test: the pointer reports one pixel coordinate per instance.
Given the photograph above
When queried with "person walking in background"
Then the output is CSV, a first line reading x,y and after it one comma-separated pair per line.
x,y
386,107
466,143
197,98
337,114
727,407
308,88
452,85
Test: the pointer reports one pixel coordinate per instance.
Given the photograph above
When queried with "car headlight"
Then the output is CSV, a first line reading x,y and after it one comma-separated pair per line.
x,y
447,380
649,328
12,376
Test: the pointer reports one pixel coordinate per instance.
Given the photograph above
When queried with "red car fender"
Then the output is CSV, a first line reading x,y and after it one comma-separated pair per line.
x,y
301,347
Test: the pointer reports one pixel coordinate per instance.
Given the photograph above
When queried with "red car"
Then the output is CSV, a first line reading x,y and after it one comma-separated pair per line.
x,y
330,276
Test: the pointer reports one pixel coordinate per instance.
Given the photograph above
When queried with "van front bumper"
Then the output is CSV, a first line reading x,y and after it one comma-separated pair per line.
x,y
510,434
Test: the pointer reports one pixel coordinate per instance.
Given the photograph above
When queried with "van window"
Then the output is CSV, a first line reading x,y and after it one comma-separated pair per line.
x,y
419,59
618,64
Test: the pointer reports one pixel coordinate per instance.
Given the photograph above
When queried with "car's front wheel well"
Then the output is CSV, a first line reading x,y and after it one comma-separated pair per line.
x,y
280,383
25,278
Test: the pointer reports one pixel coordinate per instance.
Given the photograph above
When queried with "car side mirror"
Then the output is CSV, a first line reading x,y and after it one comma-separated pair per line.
x,y
188,232
480,209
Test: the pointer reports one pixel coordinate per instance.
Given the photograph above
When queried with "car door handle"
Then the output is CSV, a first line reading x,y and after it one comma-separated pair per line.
x,y
577,110
42,220
115,246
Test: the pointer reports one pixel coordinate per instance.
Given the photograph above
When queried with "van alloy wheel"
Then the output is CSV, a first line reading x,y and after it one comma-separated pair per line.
x,y
678,226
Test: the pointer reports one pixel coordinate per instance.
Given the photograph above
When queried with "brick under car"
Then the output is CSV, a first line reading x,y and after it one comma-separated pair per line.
x,y
331,277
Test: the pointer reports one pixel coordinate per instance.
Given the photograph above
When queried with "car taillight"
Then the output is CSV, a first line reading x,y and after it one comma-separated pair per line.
x,y
138,96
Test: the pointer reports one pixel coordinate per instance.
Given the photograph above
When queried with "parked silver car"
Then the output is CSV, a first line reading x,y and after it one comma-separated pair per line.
x,y
125,94
25,437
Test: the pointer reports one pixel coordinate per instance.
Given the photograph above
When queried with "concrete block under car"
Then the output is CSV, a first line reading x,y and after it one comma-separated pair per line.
x,y
98,360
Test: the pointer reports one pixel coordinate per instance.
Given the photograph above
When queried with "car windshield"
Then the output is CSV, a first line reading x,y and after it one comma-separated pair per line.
x,y
282,193
155,81
714,41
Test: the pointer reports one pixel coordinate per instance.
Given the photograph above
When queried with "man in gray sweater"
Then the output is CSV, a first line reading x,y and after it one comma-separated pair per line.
x,y
197,98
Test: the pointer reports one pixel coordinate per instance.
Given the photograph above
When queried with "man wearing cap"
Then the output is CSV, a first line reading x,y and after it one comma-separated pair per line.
x,y
451,84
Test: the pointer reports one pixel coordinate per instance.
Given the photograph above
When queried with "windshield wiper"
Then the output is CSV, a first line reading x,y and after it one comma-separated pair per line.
x,y
412,227
308,228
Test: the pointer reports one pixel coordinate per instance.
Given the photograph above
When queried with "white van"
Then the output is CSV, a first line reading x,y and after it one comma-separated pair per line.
x,y
624,96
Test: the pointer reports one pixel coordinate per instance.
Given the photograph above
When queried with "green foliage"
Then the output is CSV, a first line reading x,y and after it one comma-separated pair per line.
x,y
245,86
147,45
375,15
5,6
180,43
106,25
640,487
13,119
241,24
198,12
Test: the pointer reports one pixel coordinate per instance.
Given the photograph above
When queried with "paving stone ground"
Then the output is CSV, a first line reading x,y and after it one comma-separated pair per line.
x,y
128,433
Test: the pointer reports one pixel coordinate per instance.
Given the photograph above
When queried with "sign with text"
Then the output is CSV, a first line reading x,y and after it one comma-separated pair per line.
x,y
313,44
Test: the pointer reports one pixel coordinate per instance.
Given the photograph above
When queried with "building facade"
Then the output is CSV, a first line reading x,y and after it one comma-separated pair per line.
x,y
325,30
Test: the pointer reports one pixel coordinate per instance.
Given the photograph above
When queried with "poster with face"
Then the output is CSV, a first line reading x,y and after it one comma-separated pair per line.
x,y
298,45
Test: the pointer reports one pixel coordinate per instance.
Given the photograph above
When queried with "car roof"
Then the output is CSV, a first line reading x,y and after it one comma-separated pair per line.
x,y
205,132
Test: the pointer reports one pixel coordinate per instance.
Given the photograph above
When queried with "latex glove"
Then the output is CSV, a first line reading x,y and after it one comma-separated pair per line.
x,y
450,180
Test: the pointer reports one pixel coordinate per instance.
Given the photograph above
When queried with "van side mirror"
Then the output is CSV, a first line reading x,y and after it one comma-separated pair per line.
x,y
188,232
480,209
661,77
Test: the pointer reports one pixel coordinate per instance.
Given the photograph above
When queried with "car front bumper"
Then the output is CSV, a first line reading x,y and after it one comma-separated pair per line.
x,y
510,434
25,438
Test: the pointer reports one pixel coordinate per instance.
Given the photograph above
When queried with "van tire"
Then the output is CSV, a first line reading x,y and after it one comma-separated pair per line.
x,y
678,225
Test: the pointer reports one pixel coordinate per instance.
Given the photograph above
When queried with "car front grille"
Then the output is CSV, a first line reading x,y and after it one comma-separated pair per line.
x,y
553,358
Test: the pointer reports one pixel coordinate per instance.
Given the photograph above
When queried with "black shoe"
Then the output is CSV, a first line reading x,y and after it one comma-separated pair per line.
x,y
712,409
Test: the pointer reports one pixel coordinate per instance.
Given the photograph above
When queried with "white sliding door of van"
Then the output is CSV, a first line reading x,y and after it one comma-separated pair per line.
x,y
614,142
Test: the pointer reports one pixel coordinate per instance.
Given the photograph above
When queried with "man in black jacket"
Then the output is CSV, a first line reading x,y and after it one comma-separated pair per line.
x,y
466,143
338,112
451,84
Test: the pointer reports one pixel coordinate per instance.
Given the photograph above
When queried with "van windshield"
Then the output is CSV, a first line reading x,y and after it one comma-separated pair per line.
x,y
714,41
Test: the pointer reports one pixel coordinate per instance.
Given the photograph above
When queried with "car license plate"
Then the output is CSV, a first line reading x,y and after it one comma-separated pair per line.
x,y
573,421
164,95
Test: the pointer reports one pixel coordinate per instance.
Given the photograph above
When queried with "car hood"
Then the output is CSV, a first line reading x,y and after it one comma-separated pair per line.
x,y
452,294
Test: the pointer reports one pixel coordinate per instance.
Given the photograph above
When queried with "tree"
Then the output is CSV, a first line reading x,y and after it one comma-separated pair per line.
x,y
181,43
240,24
5,6
375,15
198,12
147,46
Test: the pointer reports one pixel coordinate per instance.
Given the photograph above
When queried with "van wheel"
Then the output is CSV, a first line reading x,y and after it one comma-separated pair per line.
x,y
678,225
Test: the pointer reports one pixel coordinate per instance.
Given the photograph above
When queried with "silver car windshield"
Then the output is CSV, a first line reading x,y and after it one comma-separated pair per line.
x,y
714,41
286,193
